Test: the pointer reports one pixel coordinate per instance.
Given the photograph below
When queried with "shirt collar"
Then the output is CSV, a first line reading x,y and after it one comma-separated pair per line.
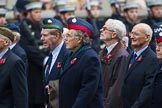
x,y
110,48
2,53
57,49
138,53
13,45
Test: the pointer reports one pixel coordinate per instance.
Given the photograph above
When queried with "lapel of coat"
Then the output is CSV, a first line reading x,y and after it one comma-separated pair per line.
x,y
71,65
56,68
78,56
108,58
134,65
5,57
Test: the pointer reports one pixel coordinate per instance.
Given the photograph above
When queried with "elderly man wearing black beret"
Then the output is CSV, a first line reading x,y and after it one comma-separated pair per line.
x,y
81,81
13,89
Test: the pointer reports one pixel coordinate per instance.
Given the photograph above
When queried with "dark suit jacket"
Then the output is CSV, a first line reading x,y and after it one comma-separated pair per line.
x,y
81,82
13,89
113,74
19,51
138,80
56,71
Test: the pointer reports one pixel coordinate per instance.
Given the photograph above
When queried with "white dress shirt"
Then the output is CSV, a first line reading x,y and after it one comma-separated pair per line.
x,y
55,54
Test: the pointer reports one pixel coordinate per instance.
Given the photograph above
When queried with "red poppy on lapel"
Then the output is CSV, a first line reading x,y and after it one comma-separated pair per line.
x,y
59,65
139,58
73,61
108,56
2,61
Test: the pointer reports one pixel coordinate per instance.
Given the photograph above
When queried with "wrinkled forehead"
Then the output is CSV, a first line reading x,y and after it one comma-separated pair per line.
x,y
138,28
71,32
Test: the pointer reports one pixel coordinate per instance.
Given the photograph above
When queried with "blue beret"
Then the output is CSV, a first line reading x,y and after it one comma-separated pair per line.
x,y
52,23
12,27
158,31
80,24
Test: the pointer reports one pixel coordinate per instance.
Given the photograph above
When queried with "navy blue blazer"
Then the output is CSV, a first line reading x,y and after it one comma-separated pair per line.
x,y
138,80
80,84
13,81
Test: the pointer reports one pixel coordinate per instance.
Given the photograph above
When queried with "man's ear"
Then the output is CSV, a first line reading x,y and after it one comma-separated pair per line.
x,y
114,35
80,39
14,38
6,42
147,37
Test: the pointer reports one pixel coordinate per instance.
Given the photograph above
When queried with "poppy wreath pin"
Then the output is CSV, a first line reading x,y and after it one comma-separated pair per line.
x,y
108,56
73,61
59,64
139,58
2,61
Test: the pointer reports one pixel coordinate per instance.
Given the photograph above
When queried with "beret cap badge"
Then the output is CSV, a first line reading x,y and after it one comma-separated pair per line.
x,y
50,21
74,20
160,34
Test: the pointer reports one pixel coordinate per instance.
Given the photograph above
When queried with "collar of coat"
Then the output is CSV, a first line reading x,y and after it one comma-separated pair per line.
x,y
107,58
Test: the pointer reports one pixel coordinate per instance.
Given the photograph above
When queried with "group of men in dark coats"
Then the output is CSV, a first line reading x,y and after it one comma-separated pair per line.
x,y
72,75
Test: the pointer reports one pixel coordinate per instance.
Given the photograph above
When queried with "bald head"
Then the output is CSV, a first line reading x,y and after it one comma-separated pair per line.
x,y
141,35
145,28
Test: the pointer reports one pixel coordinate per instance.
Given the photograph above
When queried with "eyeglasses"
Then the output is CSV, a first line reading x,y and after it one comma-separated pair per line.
x,y
135,34
105,29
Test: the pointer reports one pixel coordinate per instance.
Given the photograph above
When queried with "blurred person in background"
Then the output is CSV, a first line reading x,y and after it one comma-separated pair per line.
x,y
154,16
31,43
19,11
125,42
117,9
3,12
130,18
67,11
15,47
93,11
47,4
56,7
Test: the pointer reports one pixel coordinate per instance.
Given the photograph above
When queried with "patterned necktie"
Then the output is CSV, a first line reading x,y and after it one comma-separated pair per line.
x,y
133,58
48,67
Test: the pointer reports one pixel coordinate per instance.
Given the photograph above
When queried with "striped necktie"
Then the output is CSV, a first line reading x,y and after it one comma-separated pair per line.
x,y
48,67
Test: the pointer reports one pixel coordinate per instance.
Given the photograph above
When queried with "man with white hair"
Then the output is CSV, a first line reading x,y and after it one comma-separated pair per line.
x,y
113,58
137,86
